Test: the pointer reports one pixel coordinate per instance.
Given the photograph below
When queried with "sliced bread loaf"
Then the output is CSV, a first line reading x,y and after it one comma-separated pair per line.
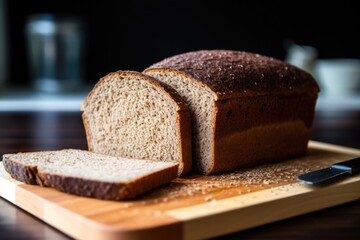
x,y
132,115
246,109
89,174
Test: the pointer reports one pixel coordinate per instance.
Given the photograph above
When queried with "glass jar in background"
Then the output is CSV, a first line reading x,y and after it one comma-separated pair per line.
x,y
55,52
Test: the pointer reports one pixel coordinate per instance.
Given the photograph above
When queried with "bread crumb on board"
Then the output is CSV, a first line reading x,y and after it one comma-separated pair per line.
x,y
214,187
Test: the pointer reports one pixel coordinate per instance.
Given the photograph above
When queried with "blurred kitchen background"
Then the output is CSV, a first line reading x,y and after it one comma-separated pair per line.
x,y
53,52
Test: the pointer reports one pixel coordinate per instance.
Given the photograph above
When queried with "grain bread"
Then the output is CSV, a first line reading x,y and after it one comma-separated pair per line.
x,y
246,109
131,115
89,174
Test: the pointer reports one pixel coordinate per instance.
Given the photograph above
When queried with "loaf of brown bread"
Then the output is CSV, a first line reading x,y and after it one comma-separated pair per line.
x,y
246,109
132,115
89,174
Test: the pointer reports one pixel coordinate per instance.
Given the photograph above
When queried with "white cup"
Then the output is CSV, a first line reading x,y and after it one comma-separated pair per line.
x,y
338,77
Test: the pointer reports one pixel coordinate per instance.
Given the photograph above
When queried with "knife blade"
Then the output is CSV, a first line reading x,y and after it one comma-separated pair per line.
x,y
351,166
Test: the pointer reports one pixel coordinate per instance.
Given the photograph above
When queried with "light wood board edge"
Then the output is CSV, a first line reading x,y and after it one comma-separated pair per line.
x,y
224,216
74,224
189,224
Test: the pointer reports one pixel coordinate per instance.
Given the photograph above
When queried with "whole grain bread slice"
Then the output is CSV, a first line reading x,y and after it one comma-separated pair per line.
x,y
132,115
89,174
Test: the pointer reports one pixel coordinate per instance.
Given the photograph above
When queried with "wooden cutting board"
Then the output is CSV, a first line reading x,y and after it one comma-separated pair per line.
x,y
195,206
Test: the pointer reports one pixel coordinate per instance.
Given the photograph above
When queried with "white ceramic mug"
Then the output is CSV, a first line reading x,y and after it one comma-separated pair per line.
x,y
339,77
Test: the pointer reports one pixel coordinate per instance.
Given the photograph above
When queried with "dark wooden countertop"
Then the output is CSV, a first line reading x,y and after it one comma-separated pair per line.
x,y
30,131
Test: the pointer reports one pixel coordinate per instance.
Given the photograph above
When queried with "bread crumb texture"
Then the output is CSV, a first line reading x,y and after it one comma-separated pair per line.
x,y
88,165
128,116
201,103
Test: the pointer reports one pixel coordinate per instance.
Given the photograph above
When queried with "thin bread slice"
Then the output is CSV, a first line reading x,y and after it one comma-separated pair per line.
x,y
132,115
89,174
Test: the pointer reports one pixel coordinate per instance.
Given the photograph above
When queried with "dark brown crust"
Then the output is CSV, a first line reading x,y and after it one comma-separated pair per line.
x,y
88,187
22,173
184,120
87,132
232,74
182,115
110,190
254,130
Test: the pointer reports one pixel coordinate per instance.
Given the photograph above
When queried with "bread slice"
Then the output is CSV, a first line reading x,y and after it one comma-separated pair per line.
x,y
246,109
89,174
132,115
